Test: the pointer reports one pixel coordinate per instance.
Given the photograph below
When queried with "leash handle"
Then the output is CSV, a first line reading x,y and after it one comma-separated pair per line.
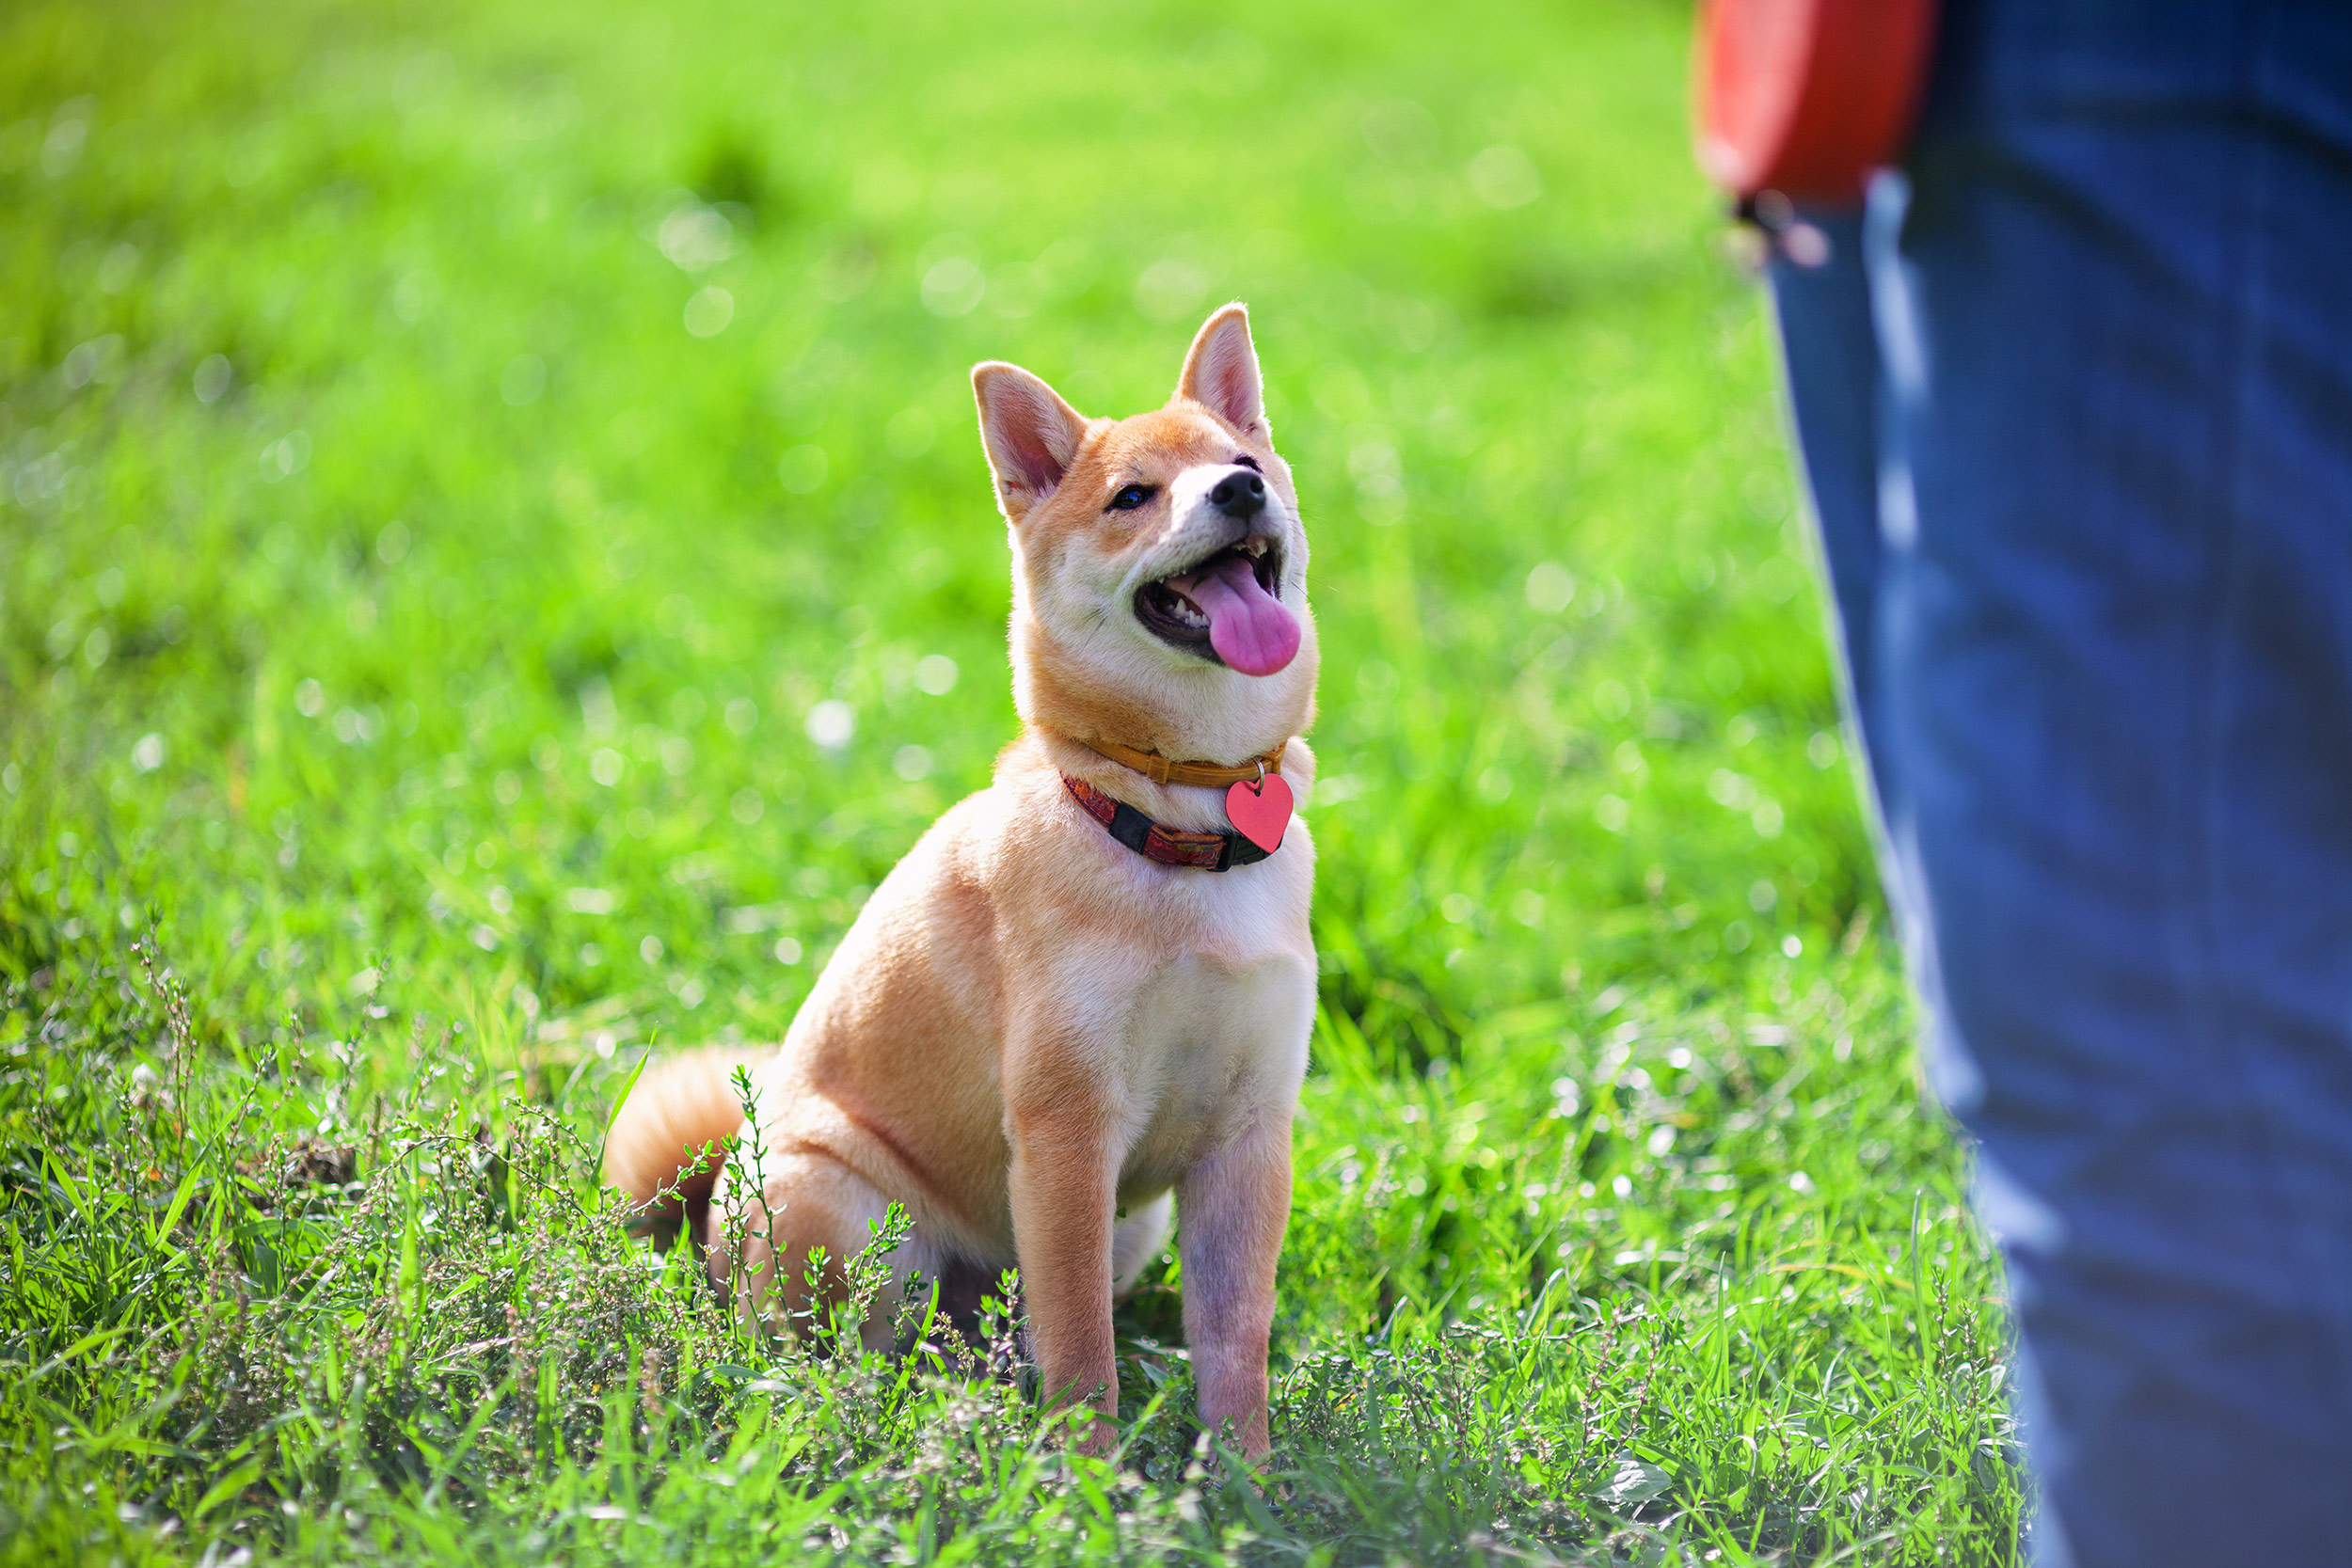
x,y
1806,98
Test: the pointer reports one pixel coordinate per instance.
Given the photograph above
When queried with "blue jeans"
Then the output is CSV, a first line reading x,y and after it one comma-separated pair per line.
x,y
2074,400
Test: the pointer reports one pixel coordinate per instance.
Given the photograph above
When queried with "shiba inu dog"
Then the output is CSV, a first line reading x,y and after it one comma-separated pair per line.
x,y
1087,990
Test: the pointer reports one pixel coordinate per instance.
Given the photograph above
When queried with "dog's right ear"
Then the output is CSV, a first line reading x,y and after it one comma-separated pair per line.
x,y
1030,434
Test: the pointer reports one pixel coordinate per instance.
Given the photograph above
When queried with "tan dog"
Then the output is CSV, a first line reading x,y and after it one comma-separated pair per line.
x,y
1035,1035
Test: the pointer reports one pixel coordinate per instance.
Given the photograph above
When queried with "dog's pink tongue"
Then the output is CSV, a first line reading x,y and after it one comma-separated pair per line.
x,y
1248,626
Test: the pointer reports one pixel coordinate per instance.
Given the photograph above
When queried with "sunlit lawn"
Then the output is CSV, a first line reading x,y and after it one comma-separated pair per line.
x,y
495,564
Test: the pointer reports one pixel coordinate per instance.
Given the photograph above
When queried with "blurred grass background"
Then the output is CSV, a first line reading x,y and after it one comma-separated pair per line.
x,y
495,563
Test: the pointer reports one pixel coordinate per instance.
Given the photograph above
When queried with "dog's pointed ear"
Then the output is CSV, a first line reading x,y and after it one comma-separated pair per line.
x,y
1221,372
1030,434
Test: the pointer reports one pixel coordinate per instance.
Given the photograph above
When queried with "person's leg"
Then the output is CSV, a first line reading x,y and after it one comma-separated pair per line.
x,y
1840,414
2114,666
1829,352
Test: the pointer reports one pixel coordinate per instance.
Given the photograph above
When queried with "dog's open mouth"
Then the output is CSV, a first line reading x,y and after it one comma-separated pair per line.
x,y
1227,609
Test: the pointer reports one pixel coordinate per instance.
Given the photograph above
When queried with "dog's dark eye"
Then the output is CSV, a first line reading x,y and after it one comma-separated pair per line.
x,y
1246,461
1132,497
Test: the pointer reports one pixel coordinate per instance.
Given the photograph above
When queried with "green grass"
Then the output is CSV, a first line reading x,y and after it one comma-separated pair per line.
x,y
409,630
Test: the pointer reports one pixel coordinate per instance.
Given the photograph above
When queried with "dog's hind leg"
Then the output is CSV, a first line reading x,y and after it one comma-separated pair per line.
x,y
761,1239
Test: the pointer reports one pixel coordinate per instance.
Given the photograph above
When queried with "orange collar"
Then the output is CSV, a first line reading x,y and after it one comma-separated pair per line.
x,y
1159,769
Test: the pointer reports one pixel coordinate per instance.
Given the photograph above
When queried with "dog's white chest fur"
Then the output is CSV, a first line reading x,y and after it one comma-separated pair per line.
x,y
1209,1046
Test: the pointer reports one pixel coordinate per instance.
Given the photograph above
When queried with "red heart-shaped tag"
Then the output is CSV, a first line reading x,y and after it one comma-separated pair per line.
x,y
1260,810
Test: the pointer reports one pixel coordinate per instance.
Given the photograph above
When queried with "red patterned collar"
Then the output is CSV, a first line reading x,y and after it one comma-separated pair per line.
x,y
1157,841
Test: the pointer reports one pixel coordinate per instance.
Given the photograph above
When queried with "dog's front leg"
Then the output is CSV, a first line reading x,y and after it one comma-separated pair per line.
x,y
1231,1208
1062,1191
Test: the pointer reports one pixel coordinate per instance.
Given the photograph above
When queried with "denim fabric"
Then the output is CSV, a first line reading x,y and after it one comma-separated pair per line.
x,y
2075,400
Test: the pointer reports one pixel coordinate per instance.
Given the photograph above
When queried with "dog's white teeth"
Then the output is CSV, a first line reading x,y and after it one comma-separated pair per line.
x,y
1254,546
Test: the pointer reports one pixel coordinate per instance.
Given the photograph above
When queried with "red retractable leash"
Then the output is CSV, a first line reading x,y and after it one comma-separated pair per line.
x,y
1798,100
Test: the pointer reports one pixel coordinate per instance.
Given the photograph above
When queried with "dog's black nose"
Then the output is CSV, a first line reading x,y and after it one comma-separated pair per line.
x,y
1239,494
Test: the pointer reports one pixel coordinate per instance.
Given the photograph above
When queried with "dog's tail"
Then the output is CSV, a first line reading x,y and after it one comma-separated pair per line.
x,y
653,1153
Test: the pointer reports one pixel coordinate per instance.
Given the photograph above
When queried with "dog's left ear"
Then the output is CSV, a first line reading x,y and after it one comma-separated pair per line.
x,y
1221,372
